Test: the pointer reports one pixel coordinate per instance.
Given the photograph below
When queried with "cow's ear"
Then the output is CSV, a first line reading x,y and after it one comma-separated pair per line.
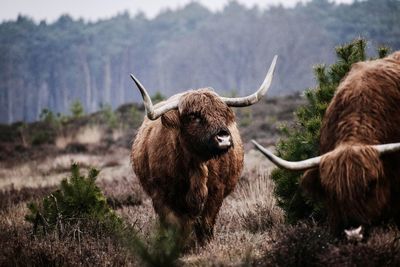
x,y
171,119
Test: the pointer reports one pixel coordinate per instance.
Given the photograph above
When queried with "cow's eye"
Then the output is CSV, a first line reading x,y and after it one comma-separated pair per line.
x,y
194,118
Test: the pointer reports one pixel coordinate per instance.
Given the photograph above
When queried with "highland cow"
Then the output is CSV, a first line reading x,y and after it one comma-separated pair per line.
x,y
191,158
357,175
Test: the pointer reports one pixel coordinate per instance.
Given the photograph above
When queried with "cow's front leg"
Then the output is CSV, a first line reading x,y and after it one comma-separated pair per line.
x,y
182,224
204,225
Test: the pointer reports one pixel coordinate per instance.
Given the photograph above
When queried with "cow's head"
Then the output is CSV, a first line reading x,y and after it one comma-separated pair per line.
x,y
202,117
204,122
355,193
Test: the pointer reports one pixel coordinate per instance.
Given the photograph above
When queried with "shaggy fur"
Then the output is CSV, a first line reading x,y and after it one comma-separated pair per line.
x,y
356,184
179,166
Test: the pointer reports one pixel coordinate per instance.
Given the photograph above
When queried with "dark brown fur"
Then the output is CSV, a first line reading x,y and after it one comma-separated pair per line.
x,y
187,181
356,184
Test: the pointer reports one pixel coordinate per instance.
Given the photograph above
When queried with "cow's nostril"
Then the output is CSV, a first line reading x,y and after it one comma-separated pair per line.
x,y
223,133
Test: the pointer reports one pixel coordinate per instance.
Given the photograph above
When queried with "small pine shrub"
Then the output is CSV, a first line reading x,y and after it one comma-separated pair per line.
x,y
79,210
78,204
302,139
109,116
77,110
47,116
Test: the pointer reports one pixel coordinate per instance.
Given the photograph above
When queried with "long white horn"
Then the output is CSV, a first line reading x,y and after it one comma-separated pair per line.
x,y
255,97
289,165
152,112
314,162
387,148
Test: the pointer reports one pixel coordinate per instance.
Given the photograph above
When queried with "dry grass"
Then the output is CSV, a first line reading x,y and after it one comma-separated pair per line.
x,y
227,249
63,141
117,134
87,135
52,170
307,244
232,242
249,228
244,222
14,216
256,205
27,175
20,248
10,197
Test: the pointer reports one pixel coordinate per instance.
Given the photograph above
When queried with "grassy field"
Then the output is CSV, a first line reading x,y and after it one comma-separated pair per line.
x,y
245,217
250,230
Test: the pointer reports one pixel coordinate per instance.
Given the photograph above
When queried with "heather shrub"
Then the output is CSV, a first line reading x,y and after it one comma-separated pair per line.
x,y
299,245
21,249
163,248
11,196
381,248
259,219
312,245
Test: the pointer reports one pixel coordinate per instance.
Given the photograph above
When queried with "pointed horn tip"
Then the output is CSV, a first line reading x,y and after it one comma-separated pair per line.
x,y
274,60
138,84
271,69
134,78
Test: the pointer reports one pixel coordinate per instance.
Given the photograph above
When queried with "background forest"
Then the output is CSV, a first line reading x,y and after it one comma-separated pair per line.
x,y
49,66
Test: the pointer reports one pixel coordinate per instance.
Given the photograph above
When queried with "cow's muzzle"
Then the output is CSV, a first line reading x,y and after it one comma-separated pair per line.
x,y
223,139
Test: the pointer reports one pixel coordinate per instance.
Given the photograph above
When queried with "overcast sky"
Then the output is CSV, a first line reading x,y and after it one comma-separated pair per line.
x,y
95,9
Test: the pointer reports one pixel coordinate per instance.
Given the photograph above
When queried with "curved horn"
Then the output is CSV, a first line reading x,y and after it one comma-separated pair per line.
x,y
387,148
314,162
289,165
253,98
152,112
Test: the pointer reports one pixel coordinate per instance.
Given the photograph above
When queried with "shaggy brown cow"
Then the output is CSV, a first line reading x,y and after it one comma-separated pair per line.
x,y
190,160
358,178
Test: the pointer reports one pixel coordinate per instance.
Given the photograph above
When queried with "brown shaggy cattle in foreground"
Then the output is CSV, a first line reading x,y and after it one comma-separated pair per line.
x,y
191,158
357,177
